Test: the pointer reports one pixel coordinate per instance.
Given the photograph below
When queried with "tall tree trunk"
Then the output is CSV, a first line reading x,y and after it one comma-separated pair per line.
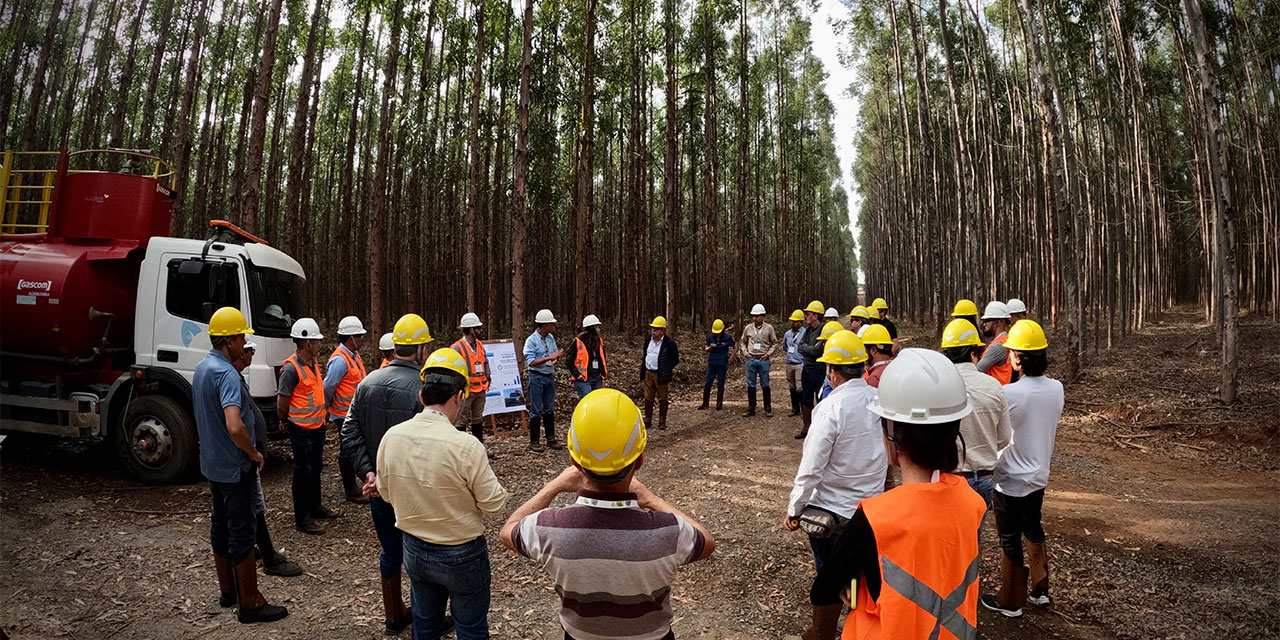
x,y
474,176
520,190
258,126
37,84
183,135
119,114
710,190
583,268
298,134
149,117
670,194
378,208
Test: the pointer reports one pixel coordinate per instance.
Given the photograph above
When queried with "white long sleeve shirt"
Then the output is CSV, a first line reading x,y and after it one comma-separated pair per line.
x,y
1035,406
844,460
987,430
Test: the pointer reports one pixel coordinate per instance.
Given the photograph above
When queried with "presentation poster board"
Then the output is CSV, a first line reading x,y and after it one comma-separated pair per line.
x,y
506,392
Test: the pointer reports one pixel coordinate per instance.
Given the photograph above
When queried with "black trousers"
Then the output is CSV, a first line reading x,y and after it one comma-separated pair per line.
x,y
1017,517
811,383
308,463
233,525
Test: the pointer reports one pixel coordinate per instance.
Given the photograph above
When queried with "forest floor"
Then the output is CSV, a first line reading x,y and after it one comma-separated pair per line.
x,y
1161,511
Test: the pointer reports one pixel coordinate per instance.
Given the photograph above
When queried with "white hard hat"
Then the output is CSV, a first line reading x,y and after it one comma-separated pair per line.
x,y
590,321
350,326
385,343
470,321
1015,305
544,317
306,329
995,311
757,310
921,386
831,313
249,344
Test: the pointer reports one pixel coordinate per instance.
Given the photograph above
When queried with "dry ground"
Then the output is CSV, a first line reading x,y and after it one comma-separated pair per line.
x,y
1162,513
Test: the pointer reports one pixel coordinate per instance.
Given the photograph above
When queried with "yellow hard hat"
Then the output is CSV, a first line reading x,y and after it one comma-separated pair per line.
x,y
843,348
876,334
717,326
1026,335
449,359
606,432
228,321
816,307
960,333
879,304
860,312
411,329
830,329
659,323
797,315
964,307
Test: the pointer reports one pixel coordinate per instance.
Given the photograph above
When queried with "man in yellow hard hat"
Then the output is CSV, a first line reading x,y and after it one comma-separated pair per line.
x,y
759,341
813,371
388,397
439,482
795,362
859,320
719,342
604,580
230,461
879,312
843,462
829,329
658,361
300,404
965,309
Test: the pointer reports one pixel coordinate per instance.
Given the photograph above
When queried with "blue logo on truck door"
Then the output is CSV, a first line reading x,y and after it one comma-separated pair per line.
x,y
189,331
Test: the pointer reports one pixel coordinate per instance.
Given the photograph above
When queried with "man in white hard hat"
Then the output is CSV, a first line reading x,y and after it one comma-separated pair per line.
x,y
588,367
540,357
758,343
300,405
1017,310
388,348
995,360
478,379
343,372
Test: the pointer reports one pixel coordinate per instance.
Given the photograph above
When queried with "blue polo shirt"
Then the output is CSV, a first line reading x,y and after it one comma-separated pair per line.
x,y
218,385
537,347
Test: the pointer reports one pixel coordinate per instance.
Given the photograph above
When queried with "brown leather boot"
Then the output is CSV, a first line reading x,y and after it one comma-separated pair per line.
x,y
806,416
751,403
395,616
253,607
1038,560
226,580
706,398
719,398
648,412
1013,587
662,414
825,620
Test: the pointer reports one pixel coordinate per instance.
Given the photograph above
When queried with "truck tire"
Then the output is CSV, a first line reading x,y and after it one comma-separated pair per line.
x,y
157,442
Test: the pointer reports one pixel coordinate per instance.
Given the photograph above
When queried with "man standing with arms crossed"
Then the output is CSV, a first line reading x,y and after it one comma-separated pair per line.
x,y
812,373
342,374
758,344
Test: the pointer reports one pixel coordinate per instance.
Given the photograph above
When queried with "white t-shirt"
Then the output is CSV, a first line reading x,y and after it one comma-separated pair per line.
x,y
1035,406
844,460
651,355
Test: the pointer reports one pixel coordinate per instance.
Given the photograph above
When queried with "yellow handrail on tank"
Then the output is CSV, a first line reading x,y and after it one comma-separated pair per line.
x,y
13,184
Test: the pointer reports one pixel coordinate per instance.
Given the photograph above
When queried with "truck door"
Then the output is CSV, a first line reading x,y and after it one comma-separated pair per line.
x,y
190,290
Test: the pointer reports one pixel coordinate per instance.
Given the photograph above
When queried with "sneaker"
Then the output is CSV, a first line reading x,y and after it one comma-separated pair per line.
x,y
1041,598
281,566
990,602
537,446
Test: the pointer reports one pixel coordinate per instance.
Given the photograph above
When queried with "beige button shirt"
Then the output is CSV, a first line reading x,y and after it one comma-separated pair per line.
x,y
758,342
438,479
987,430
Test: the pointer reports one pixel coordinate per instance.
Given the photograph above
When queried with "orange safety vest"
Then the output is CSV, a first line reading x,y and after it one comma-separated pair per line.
x,y
346,391
306,405
927,539
385,362
476,360
582,360
1001,372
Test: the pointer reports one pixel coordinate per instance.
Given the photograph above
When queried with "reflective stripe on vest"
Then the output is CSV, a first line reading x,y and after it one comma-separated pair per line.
x,y
306,405
346,389
582,360
476,360
926,537
1001,372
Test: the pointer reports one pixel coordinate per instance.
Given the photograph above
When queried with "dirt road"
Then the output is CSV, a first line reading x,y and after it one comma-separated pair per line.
x,y
1161,514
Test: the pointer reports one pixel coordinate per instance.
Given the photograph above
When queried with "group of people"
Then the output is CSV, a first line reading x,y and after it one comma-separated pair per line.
x,y
966,440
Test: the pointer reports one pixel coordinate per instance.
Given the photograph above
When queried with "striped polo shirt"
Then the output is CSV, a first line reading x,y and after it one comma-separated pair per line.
x,y
612,561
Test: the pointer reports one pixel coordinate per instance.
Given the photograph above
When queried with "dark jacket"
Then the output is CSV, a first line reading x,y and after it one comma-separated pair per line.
x,y
720,345
384,399
810,348
259,434
668,358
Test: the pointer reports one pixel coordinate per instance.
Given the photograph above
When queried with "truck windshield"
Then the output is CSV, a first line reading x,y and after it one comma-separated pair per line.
x,y
278,298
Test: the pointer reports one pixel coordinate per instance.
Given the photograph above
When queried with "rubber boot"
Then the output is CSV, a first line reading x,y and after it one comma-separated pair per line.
x,y
549,427
662,413
395,616
806,416
648,412
706,397
350,485
795,403
1039,572
825,620
768,402
226,580
719,397
253,607
1013,585
751,403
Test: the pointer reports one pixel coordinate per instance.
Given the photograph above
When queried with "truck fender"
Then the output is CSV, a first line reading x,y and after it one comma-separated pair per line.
x,y
143,380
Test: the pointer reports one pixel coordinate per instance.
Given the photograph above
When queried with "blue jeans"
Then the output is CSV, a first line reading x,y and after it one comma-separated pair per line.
x,y
448,573
822,549
757,368
308,461
259,502
716,373
233,525
587,386
389,537
985,487
542,395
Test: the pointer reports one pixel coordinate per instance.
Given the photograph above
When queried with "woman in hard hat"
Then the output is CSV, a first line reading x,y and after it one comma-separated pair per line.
x,y
719,342
907,563
588,367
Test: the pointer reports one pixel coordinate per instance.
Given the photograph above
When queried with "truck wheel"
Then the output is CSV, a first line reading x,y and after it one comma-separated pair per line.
x,y
157,441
